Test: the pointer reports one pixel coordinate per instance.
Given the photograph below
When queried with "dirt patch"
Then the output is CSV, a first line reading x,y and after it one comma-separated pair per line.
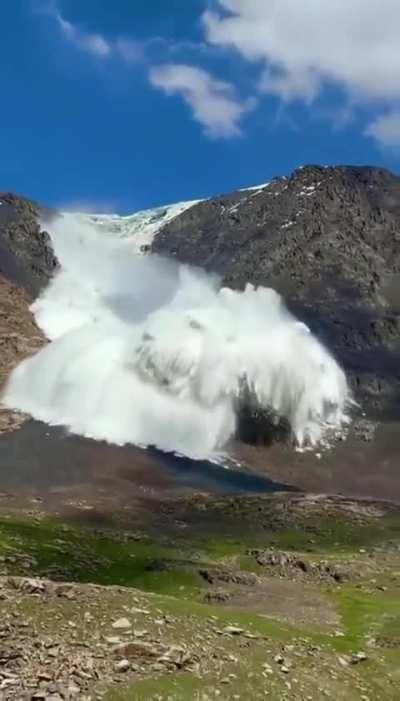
x,y
298,604
295,602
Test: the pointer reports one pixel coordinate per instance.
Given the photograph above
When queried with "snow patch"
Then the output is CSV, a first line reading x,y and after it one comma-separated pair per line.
x,y
255,187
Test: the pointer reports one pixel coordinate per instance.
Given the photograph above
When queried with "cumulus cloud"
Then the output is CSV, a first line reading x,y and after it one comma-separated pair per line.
x,y
301,45
95,44
386,129
214,103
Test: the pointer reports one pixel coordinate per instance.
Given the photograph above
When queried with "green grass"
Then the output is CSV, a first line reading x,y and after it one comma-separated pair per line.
x,y
366,614
180,688
81,557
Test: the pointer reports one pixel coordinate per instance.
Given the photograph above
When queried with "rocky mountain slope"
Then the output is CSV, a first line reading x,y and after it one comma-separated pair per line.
x,y
26,256
329,240
26,264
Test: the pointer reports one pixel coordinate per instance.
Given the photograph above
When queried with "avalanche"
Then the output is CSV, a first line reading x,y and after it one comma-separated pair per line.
x,y
146,351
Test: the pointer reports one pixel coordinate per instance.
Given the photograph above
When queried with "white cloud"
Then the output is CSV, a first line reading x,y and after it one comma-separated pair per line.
x,y
214,103
288,86
94,44
386,129
131,50
301,45
298,48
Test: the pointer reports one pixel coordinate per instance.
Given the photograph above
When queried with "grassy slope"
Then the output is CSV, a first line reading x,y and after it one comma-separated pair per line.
x,y
161,576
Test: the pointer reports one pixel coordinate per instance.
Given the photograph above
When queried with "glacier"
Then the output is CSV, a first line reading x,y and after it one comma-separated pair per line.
x,y
140,227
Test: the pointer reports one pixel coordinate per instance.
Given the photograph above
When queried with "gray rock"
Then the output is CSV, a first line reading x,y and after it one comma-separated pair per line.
x,y
122,624
26,255
122,666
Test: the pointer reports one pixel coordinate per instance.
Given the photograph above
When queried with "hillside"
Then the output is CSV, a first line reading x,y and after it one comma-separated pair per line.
x,y
241,598
328,240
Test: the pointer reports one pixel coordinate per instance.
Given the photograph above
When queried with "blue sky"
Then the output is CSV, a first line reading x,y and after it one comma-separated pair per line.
x,y
127,104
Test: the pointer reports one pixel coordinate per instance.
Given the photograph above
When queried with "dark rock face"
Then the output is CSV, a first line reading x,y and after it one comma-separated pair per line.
x,y
328,239
26,255
26,263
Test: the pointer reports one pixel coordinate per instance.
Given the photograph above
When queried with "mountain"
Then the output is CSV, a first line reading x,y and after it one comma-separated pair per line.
x,y
328,239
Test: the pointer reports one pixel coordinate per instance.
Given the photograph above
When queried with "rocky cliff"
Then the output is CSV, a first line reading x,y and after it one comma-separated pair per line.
x,y
26,256
329,240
